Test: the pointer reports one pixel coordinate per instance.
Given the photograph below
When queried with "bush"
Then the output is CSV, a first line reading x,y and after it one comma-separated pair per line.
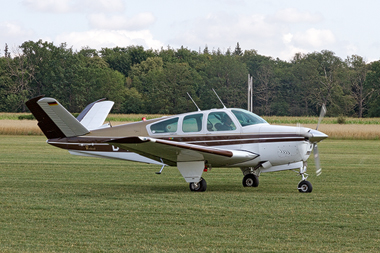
x,y
28,117
341,120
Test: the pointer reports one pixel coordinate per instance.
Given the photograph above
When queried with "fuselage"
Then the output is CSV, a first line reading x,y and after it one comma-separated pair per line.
x,y
224,129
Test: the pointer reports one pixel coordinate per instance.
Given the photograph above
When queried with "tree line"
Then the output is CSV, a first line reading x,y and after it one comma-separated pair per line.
x,y
157,81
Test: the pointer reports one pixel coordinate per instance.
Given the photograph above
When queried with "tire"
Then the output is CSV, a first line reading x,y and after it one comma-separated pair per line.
x,y
305,186
200,187
250,180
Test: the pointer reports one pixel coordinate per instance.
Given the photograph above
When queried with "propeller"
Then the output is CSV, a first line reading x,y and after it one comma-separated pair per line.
x,y
318,169
321,115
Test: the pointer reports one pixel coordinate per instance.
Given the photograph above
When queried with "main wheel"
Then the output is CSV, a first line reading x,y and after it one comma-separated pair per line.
x,y
201,186
305,186
250,180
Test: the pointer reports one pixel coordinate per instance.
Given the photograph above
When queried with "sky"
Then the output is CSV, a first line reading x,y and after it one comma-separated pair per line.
x,y
275,28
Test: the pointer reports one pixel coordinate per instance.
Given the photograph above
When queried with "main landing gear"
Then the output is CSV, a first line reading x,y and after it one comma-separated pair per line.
x,y
251,177
250,180
201,186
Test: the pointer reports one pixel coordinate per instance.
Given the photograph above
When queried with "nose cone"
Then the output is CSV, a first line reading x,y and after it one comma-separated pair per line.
x,y
317,136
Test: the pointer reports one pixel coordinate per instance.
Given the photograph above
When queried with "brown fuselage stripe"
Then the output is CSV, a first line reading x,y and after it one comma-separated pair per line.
x,y
99,143
207,138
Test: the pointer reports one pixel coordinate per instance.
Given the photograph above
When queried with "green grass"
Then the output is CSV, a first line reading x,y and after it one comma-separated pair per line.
x,y
53,202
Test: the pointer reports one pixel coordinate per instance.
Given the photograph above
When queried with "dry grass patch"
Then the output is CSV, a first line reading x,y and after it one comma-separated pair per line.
x,y
364,132
19,127
334,131
349,132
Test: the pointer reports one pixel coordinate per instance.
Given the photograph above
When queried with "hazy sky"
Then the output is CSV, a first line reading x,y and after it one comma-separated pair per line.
x,y
275,28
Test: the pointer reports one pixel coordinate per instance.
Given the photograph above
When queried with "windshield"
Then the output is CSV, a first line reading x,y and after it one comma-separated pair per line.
x,y
247,118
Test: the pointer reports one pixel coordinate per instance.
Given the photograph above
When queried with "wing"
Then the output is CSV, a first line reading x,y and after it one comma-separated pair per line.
x,y
172,152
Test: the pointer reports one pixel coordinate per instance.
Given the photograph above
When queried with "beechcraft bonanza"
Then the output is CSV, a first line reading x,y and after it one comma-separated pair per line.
x,y
194,142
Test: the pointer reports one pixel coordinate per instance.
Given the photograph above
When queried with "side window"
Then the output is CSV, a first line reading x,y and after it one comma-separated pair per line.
x,y
192,123
220,121
167,126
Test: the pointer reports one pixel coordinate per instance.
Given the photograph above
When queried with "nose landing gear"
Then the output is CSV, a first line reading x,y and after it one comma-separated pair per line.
x,y
304,186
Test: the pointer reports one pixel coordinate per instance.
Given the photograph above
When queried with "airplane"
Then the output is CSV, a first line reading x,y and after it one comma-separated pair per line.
x,y
194,142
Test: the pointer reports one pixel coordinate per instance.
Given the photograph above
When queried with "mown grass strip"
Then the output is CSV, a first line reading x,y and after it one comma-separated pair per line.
x,y
51,201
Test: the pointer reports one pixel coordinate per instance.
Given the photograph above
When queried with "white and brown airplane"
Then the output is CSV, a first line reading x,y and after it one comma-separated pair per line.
x,y
194,142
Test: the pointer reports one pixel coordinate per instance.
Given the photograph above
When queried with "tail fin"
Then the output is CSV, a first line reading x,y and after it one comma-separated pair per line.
x,y
53,119
94,115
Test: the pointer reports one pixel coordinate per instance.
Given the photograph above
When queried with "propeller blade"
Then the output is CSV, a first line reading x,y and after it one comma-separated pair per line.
x,y
321,115
318,168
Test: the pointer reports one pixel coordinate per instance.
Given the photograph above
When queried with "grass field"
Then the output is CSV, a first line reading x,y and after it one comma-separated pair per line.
x,y
53,202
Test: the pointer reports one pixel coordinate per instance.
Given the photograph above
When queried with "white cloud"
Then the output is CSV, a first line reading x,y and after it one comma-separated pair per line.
x,y
13,31
314,38
290,51
351,49
287,38
102,5
60,6
224,30
64,6
98,39
119,22
291,15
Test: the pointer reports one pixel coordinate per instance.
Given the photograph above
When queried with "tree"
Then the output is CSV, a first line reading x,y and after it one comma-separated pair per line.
x,y
331,89
305,72
123,58
228,76
373,80
238,51
360,89
264,88
22,72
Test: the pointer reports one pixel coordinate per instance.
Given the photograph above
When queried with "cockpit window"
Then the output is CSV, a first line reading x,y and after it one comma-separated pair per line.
x,y
247,118
167,126
220,121
192,123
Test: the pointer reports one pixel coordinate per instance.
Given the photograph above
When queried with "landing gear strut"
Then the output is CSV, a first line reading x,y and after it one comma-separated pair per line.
x,y
251,176
304,186
198,187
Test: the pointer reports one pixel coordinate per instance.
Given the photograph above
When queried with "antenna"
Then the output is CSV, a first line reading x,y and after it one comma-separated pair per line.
x,y
219,98
193,101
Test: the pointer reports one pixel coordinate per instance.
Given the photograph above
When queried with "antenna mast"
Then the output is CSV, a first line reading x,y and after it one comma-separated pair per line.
x,y
219,98
250,93
193,101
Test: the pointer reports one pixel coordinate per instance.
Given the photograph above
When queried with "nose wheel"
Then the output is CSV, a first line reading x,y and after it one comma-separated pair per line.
x,y
305,186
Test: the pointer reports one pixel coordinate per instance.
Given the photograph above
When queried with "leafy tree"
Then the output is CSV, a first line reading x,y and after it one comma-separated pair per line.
x,y
373,80
21,71
331,89
123,58
228,76
8,91
360,89
305,72
238,51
